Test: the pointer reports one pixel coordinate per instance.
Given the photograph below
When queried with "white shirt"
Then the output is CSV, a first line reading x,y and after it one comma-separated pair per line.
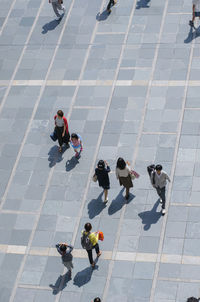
x,y
197,5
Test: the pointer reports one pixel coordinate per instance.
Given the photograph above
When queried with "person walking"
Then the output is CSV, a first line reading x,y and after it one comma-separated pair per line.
x,y
76,143
159,181
61,129
57,5
195,11
89,241
101,173
123,173
65,250
111,3
193,299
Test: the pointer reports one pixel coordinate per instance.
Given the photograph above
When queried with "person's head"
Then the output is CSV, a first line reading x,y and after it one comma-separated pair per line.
x,y
192,299
88,227
60,114
97,299
158,169
74,137
121,163
101,164
63,248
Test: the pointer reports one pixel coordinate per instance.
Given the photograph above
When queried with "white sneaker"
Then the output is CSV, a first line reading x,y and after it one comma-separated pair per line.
x,y
161,200
64,10
163,212
58,18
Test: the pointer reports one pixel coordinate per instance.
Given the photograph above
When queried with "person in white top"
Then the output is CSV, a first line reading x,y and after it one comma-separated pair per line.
x,y
123,174
57,5
195,11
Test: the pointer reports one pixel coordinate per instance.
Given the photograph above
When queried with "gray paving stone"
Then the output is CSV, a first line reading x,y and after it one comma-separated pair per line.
x,y
19,237
173,246
143,270
166,290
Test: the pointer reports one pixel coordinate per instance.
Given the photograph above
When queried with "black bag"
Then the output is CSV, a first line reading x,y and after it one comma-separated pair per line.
x,y
86,242
151,169
53,136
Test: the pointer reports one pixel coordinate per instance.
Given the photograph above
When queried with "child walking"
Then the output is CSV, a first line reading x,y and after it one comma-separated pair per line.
x,y
65,251
76,143
101,172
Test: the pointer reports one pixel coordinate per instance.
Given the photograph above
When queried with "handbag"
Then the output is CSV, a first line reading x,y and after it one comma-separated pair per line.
x,y
94,178
135,173
101,235
53,136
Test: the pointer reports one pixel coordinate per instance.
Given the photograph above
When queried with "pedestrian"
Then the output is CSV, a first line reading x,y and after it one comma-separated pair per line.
x,y
61,129
76,143
159,181
101,174
89,241
111,3
57,5
195,11
192,299
65,250
97,299
123,173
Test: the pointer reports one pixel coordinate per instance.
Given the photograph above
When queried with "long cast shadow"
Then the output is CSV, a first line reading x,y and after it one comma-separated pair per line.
x,y
55,156
50,26
95,206
84,276
119,202
192,35
142,4
71,163
60,283
150,217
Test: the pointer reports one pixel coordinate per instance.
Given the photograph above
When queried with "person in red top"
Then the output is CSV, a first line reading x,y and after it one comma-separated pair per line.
x,y
61,129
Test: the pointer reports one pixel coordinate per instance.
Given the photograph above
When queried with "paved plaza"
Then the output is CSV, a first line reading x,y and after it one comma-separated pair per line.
x,y
129,84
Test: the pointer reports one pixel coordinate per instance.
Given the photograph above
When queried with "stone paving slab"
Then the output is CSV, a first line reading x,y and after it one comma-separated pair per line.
x,y
129,85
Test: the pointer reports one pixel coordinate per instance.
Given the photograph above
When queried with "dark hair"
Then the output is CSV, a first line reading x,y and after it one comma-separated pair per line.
x,y
192,299
158,167
63,247
97,299
101,164
60,113
121,163
74,135
88,227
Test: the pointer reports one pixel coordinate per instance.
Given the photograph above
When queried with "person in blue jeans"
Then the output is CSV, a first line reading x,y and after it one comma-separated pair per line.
x,y
65,251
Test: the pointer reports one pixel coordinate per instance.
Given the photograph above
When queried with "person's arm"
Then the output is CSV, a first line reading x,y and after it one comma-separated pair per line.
x,y
167,177
117,173
66,124
58,249
64,129
107,166
60,1
69,248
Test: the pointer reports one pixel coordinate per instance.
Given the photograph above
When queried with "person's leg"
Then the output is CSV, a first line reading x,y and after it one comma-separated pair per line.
x,y
55,8
59,135
162,194
97,250
109,6
90,256
105,195
61,7
159,192
127,193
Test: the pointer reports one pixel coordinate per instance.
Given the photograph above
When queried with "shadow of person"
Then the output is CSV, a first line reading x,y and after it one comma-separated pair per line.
x,y
150,217
142,4
54,156
50,26
84,276
192,35
119,202
95,206
102,16
60,283
71,163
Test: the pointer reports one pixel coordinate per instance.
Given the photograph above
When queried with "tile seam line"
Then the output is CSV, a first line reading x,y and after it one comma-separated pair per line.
x,y
7,17
21,56
162,236
21,149
140,128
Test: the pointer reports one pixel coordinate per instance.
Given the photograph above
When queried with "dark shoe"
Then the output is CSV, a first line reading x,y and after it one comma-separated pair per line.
x,y
93,265
99,254
191,23
108,11
127,197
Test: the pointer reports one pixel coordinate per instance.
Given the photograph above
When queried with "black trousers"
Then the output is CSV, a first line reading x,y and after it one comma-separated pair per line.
x,y
62,139
111,3
96,247
161,194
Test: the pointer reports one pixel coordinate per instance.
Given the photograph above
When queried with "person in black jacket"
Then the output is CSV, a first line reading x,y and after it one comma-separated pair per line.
x,y
101,173
192,299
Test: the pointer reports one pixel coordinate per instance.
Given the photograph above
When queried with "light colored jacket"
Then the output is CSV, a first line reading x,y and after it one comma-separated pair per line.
x,y
122,173
161,180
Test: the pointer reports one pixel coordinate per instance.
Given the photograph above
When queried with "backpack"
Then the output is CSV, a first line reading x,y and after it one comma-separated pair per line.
x,y
86,242
151,169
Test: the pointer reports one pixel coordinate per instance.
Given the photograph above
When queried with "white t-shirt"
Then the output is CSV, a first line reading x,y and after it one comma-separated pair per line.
x,y
197,5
